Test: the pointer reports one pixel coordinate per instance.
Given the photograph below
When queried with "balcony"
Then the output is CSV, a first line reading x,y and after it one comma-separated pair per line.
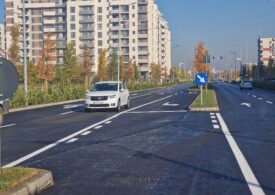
x,y
87,20
143,60
86,12
86,37
143,36
143,52
91,28
143,44
89,45
144,68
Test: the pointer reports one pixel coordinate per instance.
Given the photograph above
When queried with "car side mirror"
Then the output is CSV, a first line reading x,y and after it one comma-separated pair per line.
x,y
122,90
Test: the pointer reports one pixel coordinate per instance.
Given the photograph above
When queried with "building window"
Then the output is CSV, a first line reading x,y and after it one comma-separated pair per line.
x,y
72,9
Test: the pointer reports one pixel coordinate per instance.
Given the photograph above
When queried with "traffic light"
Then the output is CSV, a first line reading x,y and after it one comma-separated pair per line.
x,y
221,57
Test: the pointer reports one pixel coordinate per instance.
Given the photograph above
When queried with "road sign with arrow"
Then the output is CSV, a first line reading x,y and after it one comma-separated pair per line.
x,y
201,79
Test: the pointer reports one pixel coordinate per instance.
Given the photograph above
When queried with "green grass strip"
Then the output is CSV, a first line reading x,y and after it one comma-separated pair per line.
x,y
209,100
11,177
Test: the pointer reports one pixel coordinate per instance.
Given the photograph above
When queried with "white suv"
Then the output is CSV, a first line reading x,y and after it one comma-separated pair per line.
x,y
246,84
107,95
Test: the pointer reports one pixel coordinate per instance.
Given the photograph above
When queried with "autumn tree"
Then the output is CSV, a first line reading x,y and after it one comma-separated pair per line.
x,y
32,73
85,66
165,74
102,65
155,72
14,50
112,67
198,62
69,71
46,61
136,73
121,68
131,71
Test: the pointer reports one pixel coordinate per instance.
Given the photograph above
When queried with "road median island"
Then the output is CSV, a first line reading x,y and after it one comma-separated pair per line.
x,y
209,102
24,181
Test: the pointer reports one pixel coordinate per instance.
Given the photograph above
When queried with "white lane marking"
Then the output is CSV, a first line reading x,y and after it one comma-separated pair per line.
x,y
211,113
71,140
269,102
214,121
86,133
176,94
213,117
260,98
254,96
216,126
246,104
98,127
148,112
141,95
108,122
65,113
41,150
247,172
72,106
168,104
134,94
10,125
248,93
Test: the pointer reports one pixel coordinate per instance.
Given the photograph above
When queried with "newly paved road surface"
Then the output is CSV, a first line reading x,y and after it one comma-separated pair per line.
x,y
156,147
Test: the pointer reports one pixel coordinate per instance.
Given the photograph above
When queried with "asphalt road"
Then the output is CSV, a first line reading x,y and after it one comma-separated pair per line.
x,y
156,147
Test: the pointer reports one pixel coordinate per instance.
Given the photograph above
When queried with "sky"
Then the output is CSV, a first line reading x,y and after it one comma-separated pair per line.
x,y
222,25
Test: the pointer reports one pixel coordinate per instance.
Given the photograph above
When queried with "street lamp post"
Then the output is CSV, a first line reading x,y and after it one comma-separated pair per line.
x,y
24,55
235,56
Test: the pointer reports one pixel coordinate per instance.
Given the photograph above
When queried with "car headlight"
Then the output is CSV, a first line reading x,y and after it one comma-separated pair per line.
x,y
111,96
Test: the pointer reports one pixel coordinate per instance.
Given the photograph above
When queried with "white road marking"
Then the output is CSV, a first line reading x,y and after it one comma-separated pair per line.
x,y
141,95
176,94
214,121
216,126
168,104
108,122
246,104
269,102
134,94
10,125
254,96
41,150
98,127
213,117
86,133
71,140
65,113
247,172
248,93
148,112
211,113
260,98
72,106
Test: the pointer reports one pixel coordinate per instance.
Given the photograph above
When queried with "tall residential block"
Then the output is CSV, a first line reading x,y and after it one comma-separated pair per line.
x,y
2,41
266,50
135,26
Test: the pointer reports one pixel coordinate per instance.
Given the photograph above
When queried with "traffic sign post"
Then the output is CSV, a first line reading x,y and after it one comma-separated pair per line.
x,y
201,80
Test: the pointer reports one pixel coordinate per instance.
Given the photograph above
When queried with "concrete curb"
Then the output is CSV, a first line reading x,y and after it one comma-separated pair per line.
x,y
34,185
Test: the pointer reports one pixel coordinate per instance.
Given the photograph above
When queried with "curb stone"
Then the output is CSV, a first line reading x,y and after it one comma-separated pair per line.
x,y
34,185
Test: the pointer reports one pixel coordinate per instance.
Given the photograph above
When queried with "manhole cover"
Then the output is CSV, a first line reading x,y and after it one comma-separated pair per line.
x,y
130,180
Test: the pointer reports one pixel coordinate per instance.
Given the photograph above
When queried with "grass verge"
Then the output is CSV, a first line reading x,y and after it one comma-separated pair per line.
x,y
209,100
11,177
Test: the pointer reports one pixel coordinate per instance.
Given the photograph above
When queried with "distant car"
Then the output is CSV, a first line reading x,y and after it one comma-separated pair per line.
x,y
107,95
246,84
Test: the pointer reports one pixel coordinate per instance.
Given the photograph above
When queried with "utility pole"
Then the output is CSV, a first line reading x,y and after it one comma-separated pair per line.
x,y
25,55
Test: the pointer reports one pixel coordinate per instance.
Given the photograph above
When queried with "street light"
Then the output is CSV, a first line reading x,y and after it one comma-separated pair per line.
x,y
235,56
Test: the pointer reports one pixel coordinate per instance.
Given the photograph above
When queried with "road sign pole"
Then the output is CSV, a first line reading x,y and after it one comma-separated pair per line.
x,y
201,97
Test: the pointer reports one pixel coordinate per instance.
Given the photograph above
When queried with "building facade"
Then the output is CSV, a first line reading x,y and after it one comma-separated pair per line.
x,y
2,41
266,50
135,26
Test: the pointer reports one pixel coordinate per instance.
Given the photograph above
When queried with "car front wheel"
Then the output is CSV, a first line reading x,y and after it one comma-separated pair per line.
x,y
127,106
118,106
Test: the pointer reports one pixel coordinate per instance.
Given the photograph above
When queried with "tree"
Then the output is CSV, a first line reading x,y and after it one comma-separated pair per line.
x,y
102,65
14,50
85,66
69,71
198,62
121,68
165,74
131,71
155,72
112,67
136,73
32,73
46,61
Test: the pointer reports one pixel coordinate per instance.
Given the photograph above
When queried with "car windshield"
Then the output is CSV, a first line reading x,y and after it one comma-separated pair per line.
x,y
105,87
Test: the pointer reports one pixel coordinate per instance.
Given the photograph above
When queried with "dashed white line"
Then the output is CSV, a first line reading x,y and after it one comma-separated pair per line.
x,y
86,133
71,140
247,172
214,121
212,114
260,98
65,113
148,112
134,94
213,117
108,122
254,96
269,102
10,125
98,127
216,126
141,95
41,150
176,94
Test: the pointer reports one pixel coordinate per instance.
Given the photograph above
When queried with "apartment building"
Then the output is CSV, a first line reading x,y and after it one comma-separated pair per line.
x,y
2,40
266,50
135,26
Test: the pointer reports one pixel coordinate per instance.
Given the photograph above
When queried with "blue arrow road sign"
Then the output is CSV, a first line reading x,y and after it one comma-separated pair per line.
x,y
201,79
